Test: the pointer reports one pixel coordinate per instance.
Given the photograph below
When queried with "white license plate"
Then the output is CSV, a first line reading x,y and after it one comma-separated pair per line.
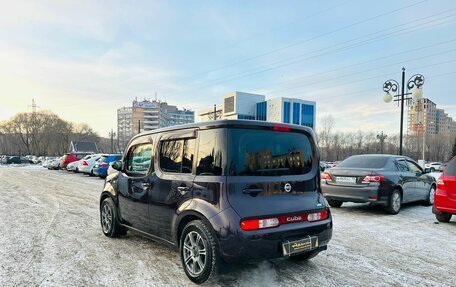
x,y
347,179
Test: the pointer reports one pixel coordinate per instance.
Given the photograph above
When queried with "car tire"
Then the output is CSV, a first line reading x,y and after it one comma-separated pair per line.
x,y
335,203
432,169
304,256
430,197
443,217
109,221
394,202
198,252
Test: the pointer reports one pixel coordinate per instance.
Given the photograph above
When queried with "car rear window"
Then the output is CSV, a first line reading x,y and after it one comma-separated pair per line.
x,y
451,167
268,153
364,162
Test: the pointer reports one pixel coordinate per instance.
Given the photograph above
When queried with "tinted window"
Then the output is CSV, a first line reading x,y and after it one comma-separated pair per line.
x,y
364,161
177,155
171,155
211,152
451,167
188,155
401,165
268,153
413,167
139,159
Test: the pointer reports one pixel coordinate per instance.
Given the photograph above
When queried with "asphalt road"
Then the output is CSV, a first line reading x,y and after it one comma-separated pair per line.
x,y
50,235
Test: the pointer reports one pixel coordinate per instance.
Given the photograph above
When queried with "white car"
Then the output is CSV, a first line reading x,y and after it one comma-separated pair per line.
x,y
433,166
55,163
47,160
73,166
86,164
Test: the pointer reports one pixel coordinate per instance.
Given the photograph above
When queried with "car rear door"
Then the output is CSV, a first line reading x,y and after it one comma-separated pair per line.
x,y
272,172
172,182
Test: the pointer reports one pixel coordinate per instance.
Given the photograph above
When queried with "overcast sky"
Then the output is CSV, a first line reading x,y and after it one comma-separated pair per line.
x,y
84,59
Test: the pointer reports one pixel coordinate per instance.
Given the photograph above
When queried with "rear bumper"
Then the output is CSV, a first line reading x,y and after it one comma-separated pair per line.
x,y
354,194
443,203
101,172
238,246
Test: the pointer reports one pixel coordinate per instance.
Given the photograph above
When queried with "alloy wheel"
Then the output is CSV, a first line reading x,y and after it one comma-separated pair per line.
x,y
396,201
431,195
195,253
106,218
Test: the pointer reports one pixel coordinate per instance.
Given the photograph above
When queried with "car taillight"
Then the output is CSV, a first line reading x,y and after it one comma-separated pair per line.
x,y
255,224
84,163
326,176
104,164
281,128
373,178
441,183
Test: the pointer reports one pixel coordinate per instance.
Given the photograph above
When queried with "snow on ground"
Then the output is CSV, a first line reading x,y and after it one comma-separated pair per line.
x,y
50,235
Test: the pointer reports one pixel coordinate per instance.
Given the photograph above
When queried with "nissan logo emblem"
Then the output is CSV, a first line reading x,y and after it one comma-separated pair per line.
x,y
287,187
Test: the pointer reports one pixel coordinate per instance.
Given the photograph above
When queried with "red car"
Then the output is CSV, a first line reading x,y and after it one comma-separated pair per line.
x,y
71,157
445,195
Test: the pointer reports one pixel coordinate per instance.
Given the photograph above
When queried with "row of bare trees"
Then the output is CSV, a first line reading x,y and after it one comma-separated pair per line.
x,y
42,133
335,146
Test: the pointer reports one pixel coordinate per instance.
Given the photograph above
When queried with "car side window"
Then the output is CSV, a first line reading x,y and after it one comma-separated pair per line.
x,y
177,156
139,159
401,165
414,168
211,156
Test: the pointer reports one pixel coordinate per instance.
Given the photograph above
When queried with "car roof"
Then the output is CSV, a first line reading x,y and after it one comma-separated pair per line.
x,y
222,124
394,156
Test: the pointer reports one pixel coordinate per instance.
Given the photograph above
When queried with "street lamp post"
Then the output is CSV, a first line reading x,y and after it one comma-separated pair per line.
x,y
382,137
112,134
416,81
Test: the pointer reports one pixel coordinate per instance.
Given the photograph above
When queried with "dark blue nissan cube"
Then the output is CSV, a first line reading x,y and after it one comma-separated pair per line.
x,y
221,192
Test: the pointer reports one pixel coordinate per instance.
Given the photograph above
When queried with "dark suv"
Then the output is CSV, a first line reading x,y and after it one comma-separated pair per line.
x,y
222,192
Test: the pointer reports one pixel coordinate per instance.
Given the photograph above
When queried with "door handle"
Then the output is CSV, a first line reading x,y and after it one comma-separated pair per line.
x,y
183,189
252,190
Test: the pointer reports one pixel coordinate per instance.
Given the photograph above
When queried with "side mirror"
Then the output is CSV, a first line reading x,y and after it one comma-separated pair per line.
x,y
117,165
427,170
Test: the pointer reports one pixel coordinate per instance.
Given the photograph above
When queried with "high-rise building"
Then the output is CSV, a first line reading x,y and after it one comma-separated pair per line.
x,y
148,115
179,117
424,116
247,106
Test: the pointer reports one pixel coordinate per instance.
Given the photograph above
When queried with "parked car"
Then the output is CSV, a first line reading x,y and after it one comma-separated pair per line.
x,y
72,157
443,167
445,195
101,166
14,159
73,166
433,166
388,180
87,164
47,160
221,192
55,163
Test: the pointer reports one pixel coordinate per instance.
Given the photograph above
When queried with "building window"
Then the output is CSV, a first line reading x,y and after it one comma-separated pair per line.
x,y
261,111
307,115
286,112
296,113
245,117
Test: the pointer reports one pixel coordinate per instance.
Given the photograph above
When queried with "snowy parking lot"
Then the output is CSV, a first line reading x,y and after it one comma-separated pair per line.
x,y
50,236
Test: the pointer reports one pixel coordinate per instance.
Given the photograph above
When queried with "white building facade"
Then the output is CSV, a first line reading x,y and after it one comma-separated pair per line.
x,y
247,106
